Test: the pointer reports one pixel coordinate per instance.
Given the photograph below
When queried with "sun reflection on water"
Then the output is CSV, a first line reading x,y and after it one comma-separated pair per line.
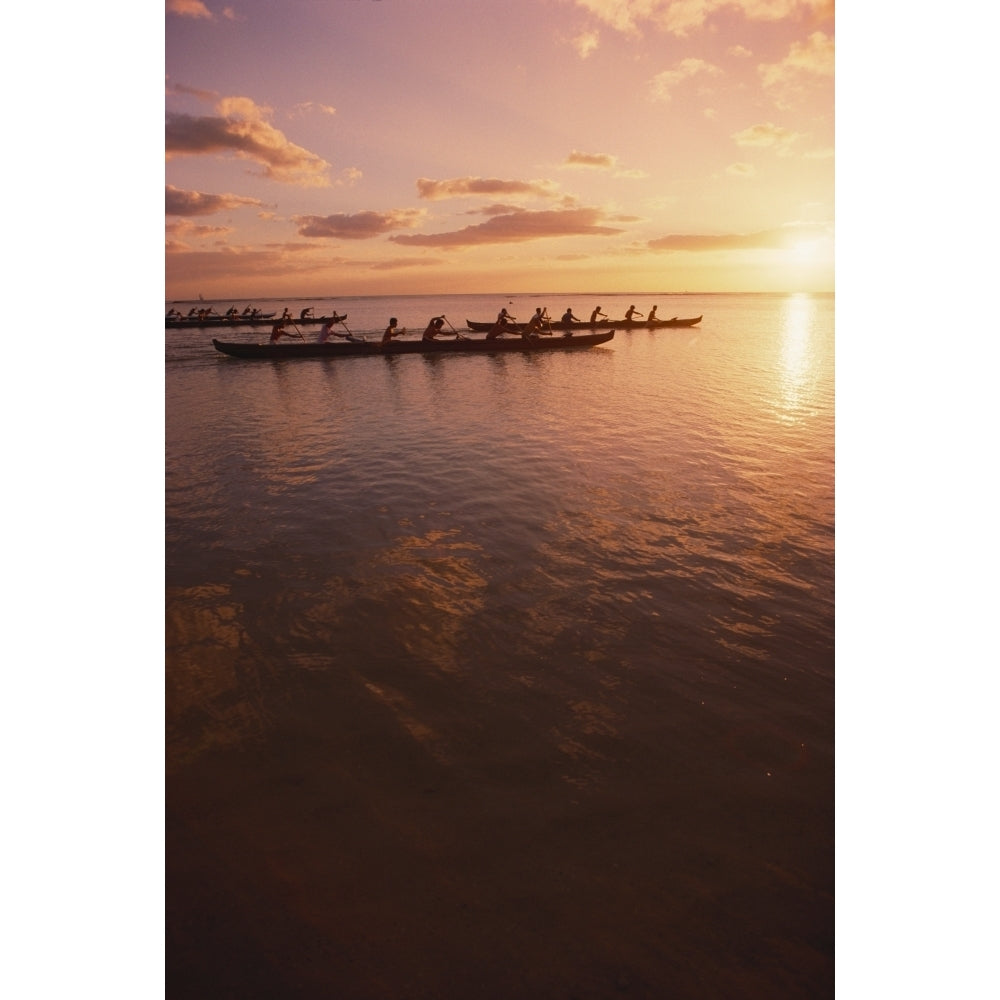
x,y
796,355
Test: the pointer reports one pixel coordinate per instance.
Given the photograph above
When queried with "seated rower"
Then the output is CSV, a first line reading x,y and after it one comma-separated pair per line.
x,y
630,312
392,331
595,315
306,314
434,328
278,331
499,328
326,331
535,324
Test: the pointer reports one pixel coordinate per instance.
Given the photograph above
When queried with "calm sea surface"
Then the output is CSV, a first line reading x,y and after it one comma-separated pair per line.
x,y
504,676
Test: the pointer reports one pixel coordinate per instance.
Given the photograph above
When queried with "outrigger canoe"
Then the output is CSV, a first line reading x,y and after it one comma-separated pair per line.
x,y
603,324
467,345
261,319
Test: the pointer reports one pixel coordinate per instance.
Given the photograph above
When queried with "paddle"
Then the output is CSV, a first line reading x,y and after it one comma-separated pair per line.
x,y
350,336
453,330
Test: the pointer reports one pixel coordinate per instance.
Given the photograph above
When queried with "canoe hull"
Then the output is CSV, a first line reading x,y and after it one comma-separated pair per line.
x,y
620,324
348,349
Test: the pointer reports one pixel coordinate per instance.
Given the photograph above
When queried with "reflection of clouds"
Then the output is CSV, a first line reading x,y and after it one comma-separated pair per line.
x,y
567,639
204,691
435,587
595,718
405,712
588,739
433,580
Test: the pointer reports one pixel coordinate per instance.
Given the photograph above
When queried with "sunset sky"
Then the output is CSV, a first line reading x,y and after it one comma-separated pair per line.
x,y
290,118
334,147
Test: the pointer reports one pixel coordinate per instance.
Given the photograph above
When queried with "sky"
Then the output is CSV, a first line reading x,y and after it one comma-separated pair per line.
x,y
375,147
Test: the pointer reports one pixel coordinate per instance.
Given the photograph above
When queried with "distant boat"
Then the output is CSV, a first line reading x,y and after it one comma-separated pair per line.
x,y
462,345
260,319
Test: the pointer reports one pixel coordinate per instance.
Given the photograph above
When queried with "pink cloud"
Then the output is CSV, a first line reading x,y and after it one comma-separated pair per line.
x,y
242,128
519,227
190,203
490,187
360,226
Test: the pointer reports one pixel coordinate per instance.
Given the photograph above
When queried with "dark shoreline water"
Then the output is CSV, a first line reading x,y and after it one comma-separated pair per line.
x,y
494,677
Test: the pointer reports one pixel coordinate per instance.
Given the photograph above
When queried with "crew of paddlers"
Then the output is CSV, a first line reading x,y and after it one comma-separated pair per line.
x,y
232,314
540,323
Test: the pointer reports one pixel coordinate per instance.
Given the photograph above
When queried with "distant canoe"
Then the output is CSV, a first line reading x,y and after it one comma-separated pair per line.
x,y
618,324
261,319
477,345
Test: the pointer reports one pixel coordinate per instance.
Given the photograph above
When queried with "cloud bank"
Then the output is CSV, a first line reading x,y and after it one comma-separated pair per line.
x,y
808,63
189,8
767,135
242,128
360,226
769,239
489,187
519,227
600,161
192,203
682,17
663,84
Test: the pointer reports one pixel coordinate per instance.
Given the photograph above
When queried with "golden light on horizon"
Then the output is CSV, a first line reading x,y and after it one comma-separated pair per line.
x,y
809,251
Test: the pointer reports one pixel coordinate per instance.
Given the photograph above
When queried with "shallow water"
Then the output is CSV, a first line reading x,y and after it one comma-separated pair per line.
x,y
549,638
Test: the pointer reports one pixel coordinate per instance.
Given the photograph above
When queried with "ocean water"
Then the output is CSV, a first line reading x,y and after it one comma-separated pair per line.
x,y
504,676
